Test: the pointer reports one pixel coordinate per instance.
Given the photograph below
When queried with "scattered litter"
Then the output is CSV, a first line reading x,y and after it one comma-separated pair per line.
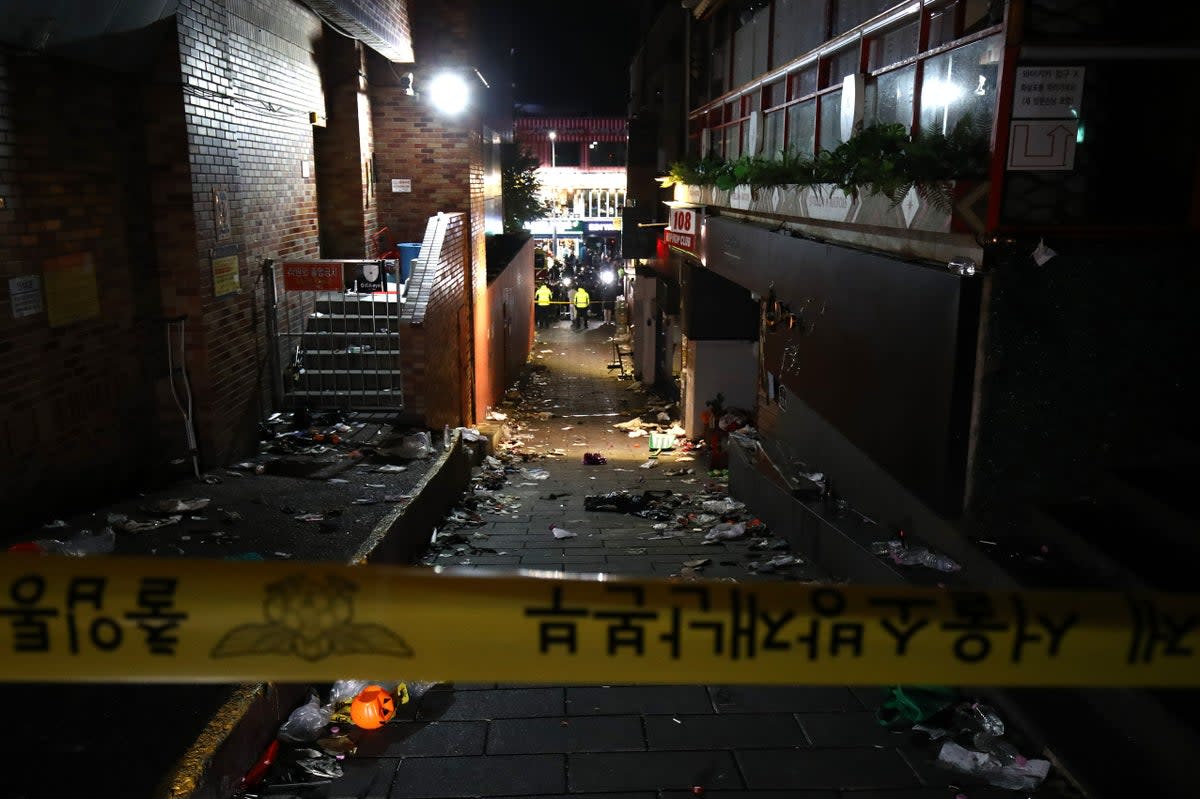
x,y
126,525
396,497
366,501
650,464
536,474
594,459
391,468
722,506
179,505
636,551
697,563
337,480
726,531
284,555
496,416
310,517
1026,776
560,533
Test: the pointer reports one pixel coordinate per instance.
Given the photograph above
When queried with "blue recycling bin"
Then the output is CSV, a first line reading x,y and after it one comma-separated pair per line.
x,y
408,252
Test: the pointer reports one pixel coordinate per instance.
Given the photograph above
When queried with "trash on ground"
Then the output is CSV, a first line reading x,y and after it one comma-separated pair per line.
x,y
697,563
391,468
1014,777
561,533
536,474
650,464
82,544
170,506
726,531
307,722
904,555
594,459
495,416
126,525
722,506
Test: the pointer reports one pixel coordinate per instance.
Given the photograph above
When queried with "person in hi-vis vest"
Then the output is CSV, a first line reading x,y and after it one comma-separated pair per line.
x,y
542,309
581,300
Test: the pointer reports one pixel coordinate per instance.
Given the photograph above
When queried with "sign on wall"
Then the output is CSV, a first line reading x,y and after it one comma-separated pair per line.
x,y
225,272
71,292
25,295
683,227
1045,118
313,277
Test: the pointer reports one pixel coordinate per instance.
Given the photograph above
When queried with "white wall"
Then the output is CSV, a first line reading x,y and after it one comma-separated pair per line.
x,y
726,367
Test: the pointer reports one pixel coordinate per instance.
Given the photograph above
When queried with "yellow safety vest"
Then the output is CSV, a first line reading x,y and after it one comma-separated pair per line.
x,y
582,299
543,295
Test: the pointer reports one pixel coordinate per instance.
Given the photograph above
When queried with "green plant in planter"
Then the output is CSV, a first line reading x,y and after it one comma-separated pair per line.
x,y
879,159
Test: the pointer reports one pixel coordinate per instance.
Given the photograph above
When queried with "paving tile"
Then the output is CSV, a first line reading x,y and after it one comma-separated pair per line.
x,y
368,778
825,768
848,729
782,699
498,704
577,734
419,738
871,696
644,699
492,775
626,771
730,731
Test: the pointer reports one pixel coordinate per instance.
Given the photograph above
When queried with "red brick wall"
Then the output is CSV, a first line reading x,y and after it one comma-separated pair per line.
x,y
250,82
507,339
434,352
74,402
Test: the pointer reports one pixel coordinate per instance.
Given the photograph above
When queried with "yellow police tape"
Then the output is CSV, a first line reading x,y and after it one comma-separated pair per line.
x,y
121,619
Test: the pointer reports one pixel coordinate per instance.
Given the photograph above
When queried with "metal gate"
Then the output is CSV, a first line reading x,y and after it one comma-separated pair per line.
x,y
336,333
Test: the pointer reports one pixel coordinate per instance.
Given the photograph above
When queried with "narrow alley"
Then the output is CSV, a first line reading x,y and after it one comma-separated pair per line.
x,y
623,741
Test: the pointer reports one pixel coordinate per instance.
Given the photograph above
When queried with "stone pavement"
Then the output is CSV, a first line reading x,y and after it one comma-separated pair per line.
x,y
621,741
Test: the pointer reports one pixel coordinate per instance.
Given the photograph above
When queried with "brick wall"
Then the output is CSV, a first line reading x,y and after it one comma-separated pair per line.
x,y
73,399
434,356
250,81
344,149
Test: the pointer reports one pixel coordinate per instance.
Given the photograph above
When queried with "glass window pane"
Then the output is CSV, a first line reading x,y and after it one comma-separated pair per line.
x,y
889,97
799,27
959,83
775,94
831,120
773,134
804,82
849,14
733,141
841,64
893,46
762,40
747,63
802,121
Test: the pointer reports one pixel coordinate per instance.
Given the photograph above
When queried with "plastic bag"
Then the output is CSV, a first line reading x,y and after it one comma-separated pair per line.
x,y
416,445
344,691
307,722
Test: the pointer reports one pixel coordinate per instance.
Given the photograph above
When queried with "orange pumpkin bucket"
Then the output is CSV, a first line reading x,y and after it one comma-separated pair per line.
x,y
372,708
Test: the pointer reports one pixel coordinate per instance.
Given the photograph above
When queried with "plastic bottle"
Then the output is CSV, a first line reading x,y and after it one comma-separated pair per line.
x,y
977,717
446,437
998,748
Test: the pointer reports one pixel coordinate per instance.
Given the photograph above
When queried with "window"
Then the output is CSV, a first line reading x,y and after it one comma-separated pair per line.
x,y
733,141
607,153
849,14
804,82
889,97
802,127
775,94
799,27
893,46
568,153
831,120
961,82
956,19
773,134
842,63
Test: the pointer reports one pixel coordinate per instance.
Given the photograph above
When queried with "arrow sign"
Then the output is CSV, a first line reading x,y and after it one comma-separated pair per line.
x,y
1047,145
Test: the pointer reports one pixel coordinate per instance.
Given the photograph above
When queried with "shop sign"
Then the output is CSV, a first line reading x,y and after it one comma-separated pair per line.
x,y
683,226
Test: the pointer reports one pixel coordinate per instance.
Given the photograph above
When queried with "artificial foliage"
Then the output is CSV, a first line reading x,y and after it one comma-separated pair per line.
x,y
879,159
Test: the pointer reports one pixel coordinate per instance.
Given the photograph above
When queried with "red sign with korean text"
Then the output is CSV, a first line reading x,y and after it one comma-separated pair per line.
x,y
313,277
682,228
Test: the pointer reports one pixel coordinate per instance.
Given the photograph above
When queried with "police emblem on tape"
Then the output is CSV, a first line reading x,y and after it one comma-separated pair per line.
x,y
311,618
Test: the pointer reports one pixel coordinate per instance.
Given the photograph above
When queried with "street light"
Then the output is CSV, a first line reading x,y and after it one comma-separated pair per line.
x,y
553,153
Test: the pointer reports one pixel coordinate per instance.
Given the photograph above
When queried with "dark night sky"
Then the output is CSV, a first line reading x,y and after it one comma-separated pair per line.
x,y
570,57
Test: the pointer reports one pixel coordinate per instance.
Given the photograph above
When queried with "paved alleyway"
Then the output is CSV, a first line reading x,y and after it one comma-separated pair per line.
x,y
627,742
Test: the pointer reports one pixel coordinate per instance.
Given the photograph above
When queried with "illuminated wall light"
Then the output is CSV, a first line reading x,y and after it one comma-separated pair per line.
x,y
449,93
940,93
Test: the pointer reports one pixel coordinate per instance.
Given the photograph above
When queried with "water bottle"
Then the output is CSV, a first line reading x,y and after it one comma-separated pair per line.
x,y
998,748
976,717
446,437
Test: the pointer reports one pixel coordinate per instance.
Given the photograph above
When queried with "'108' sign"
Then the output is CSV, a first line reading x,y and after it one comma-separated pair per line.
x,y
684,220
